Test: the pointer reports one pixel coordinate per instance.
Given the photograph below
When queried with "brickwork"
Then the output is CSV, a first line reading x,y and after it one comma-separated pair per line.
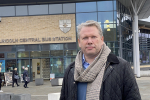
x,y
36,30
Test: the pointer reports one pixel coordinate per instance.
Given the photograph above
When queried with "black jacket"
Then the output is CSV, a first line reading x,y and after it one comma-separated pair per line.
x,y
13,74
118,82
25,74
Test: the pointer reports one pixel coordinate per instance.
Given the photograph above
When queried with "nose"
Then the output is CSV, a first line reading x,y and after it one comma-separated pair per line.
x,y
89,41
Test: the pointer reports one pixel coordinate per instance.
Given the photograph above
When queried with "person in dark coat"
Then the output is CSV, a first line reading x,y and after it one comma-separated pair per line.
x,y
13,79
96,74
25,74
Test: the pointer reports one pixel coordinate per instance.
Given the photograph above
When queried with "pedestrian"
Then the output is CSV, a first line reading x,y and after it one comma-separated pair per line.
x,y
14,79
0,81
25,75
96,74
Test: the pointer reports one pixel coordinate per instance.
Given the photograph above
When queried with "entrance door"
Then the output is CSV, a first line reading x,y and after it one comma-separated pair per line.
x,y
22,63
40,68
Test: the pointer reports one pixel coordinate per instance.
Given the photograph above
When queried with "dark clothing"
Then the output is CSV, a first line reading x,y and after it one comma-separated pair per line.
x,y
25,84
0,80
118,82
13,79
25,74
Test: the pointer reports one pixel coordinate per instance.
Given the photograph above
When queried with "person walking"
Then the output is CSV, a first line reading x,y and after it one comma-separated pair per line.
x,y
25,75
96,74
14,79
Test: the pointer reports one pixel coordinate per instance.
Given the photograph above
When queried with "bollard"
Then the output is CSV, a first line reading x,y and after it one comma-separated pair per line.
x,y
53,96
6,96
39,81
21,97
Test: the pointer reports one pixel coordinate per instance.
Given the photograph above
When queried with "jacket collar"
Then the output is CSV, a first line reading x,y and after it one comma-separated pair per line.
x,y
112,59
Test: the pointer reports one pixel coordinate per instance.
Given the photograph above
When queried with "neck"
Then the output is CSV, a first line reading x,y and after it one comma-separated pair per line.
x,y
90,59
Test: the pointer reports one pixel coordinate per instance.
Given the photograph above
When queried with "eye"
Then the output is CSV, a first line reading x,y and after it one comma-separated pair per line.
x,y
85,38
93,37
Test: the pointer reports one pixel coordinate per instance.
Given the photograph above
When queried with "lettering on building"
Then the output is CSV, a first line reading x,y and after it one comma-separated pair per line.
x,y
26,40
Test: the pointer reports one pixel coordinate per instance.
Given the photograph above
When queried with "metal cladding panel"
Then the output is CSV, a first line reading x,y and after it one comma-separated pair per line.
x,y
145,10
23,2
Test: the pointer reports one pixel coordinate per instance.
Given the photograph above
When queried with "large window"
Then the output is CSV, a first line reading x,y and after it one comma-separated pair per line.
x,y
83,17
39,54
68,61
86,7
22,64
105,17
56,66
11,55
105,5
23,54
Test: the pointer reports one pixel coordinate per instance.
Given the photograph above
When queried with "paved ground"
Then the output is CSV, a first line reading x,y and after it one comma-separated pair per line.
x,y
41,92
37,92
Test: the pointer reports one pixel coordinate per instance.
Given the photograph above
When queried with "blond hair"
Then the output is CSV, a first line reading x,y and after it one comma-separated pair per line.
x,y
89,24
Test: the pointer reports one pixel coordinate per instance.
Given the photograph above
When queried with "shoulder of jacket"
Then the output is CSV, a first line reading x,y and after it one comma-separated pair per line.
x,y
70,66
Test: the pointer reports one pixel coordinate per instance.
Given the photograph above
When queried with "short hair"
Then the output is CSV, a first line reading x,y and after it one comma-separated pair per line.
x,y
89,24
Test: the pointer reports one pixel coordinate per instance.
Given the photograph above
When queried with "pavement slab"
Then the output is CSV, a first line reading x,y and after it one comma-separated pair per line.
x,y
41,92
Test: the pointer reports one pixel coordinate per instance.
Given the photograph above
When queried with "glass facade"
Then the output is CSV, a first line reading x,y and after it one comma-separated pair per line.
x,y
124,33
144,41
113,17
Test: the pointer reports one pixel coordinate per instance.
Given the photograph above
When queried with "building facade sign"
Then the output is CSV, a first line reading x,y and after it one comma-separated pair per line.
x,y
38,29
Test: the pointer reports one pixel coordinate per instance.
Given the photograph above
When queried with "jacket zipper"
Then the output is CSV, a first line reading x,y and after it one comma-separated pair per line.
x,y
107,65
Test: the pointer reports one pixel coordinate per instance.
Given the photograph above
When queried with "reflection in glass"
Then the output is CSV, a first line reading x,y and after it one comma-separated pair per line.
x,y
70,53
2,55
69,61
86,7
56,53
23,54
10,64
115,16
45,68
22,64
11,55
114,5
109,35
83,17
56,67
105,5
40,54
103,16
56,47
70,46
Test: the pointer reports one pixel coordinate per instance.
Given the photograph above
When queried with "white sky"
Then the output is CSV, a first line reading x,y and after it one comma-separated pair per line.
x,y
146,19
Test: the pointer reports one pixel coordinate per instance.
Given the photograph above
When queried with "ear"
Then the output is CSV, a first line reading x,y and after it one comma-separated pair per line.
x,y
79,43
102,38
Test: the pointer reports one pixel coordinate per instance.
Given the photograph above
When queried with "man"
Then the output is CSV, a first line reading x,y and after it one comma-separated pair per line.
x,y
96,74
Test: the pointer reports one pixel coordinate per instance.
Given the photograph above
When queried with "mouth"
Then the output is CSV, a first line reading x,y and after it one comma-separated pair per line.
x,y
89,47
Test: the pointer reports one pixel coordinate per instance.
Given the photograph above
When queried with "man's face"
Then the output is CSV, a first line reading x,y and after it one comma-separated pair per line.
x,y
90,41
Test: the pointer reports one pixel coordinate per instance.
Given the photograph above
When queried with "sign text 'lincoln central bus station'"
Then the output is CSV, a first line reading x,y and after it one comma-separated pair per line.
x,y
24,40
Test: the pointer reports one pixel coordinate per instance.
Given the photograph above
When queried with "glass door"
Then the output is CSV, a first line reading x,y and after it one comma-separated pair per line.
x,y
22,64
